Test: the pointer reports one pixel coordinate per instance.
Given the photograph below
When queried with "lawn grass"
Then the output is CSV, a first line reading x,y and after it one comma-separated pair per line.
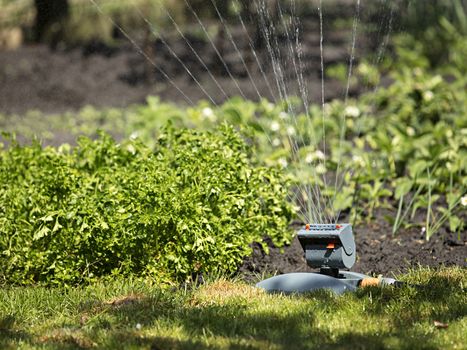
x,y
226,314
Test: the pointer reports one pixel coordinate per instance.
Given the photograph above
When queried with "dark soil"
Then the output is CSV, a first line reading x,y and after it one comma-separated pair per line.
x,y
56,81
378,252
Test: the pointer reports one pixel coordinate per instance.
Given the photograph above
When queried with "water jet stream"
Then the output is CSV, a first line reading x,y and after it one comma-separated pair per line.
x,y
315,196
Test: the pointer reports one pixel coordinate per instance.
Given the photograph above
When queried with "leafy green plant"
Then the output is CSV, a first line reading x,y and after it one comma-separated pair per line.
x,y
190,205
436,28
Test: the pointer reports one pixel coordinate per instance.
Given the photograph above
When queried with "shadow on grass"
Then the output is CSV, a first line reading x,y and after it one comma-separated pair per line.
x,y
164,343
442,298
381,341
403,308
233,325
9,336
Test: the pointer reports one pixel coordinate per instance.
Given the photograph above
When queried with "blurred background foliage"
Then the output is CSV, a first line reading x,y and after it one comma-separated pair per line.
x,y
435,29
430,26
435,24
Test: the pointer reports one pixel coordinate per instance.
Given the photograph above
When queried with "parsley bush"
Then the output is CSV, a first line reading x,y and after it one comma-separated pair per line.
x,y
191,204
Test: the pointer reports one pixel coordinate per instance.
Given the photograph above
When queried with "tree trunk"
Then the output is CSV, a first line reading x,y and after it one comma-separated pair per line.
x,y
50,15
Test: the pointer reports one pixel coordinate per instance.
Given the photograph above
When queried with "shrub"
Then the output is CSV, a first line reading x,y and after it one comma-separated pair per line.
x,y
192,204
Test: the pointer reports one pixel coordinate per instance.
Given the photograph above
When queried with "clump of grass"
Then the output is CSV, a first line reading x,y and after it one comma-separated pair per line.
x,y
224,291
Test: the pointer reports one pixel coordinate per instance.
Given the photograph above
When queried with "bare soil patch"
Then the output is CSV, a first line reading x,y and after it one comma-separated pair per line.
x,y
55,81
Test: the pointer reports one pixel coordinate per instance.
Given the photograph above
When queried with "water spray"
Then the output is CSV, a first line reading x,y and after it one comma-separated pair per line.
x,y
329,248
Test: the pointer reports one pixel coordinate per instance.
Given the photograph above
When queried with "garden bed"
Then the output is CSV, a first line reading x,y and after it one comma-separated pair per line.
x,y
378,252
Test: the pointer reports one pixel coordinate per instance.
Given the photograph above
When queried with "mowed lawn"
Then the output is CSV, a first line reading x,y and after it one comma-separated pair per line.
x,y
229,314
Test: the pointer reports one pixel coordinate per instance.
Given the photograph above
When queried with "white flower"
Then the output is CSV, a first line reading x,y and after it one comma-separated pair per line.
x,y
317,155
290,131
410,131
352,112
449,133
275,126
282,162
131,149
276,142
320,155
320,169
464,201
428,95
327,108
138,326
134,135
208,113
283,115
358,160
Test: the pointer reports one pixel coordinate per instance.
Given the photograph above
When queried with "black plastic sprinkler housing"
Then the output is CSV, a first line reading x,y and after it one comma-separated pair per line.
x,y
329,248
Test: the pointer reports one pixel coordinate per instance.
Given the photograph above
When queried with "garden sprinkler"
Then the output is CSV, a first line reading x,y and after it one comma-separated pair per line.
x,y
329,247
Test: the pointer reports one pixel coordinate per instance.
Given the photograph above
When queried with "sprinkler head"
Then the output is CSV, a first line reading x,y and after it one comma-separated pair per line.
x,y
329,247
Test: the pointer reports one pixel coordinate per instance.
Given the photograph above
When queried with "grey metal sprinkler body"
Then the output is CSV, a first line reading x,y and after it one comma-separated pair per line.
x,y
329,247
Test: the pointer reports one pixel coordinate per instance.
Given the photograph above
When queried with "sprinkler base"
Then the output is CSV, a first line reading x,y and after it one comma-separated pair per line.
x,y
329,247
305,282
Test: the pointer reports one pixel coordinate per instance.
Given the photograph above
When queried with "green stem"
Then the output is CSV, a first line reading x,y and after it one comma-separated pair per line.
x,y
446,215
356,199
396,225
428,214
401,218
